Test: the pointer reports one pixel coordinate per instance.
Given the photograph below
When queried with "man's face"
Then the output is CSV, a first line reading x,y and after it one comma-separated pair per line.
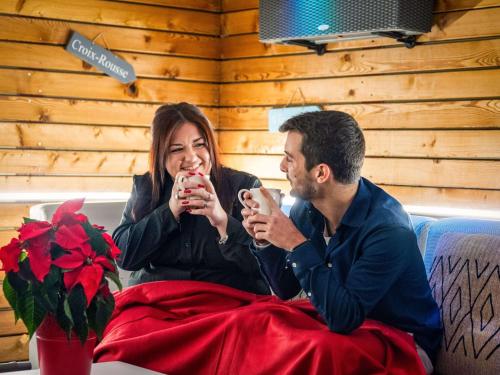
x,y
294,165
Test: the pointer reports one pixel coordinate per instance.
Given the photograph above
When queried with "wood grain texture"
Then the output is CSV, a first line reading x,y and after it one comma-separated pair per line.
x,y
447,27
425,115
39,30
206,5
440,6
14,348
83,86
474,174
453,56
118,14
62,137
429,86
6,235
467,144
11,214
7,325
39,109
48,58
426,196
48,184
72,162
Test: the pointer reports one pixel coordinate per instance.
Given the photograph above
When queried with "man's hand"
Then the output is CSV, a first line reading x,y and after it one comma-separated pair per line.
x,y
275,228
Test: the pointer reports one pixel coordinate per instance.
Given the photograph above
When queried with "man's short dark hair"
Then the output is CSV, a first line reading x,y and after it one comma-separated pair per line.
x,y
333,138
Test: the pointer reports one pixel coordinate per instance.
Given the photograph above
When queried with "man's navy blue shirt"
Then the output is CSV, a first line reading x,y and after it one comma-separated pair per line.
x,y
371,268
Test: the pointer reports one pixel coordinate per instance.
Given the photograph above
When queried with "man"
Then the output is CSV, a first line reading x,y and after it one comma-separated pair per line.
x,y
348,244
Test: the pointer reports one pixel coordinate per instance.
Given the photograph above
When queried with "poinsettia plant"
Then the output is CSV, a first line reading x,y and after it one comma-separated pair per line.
x,y
61,268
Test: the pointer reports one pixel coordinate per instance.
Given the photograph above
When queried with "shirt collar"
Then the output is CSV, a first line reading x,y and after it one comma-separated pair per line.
x,y
357,211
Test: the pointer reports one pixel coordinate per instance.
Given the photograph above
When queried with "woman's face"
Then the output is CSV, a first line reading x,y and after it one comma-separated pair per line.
x,y
188,151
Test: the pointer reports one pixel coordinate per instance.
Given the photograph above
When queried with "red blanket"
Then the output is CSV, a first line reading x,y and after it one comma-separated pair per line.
x,y
189,327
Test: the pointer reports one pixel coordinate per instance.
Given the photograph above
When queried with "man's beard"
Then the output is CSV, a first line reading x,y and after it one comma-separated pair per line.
x,y
306,191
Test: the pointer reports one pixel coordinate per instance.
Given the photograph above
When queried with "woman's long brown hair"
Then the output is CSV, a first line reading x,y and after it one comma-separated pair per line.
x,y
168,118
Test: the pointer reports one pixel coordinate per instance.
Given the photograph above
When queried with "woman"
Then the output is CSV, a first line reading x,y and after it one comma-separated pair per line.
x,y
176,228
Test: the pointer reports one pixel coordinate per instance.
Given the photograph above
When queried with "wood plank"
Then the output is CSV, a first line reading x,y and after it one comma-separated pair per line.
x,y
247,21
48,57
48,184
72,162
14,348
425,115
430,86
84,86
427,196
3,301
465,144
39,30
62,137
447,27
38,109
11,214
440,6
207,5
6,235
117,14
7,325
473,174
435,57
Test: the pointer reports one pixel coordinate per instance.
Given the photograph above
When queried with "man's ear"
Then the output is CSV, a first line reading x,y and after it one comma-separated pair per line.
x,y
323,173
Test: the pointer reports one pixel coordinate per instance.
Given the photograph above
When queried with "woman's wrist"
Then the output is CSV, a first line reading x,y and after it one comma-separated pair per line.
x,y
222,226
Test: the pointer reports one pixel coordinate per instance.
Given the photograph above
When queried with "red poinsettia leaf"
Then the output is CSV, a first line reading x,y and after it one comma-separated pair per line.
x,y
70,261
114,251
71,278
90,278
71,236
40,261
66,211
9,256
100,227
104,262
33,229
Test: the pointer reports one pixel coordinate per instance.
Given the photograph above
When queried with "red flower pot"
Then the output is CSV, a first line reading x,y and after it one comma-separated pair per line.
x,y
59,356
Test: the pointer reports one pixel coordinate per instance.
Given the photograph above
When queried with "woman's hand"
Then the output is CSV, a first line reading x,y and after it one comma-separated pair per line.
x,y
177,196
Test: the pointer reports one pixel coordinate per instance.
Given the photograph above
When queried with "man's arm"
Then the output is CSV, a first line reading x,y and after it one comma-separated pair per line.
x,y
345,305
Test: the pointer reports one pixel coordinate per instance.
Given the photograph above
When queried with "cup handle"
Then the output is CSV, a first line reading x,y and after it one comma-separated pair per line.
x,y
240,197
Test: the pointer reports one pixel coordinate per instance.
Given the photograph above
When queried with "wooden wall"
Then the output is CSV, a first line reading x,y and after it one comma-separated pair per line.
x,y
67,127
431,114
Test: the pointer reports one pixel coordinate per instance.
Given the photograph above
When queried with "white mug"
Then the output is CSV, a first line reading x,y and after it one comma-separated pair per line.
x,y
260,199
197,179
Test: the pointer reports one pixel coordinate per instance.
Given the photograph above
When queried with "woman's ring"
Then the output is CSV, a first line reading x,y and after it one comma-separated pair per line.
x,y
205,205
176,196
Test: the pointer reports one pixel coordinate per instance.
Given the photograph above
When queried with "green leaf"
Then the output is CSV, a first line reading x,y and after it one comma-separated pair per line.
x,y
104,310
28,220
30,310
78,306
99,245
64,318
11,296
114,277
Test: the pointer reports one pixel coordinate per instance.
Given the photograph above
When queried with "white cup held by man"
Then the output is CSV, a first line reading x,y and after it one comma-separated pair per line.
x,y
261,199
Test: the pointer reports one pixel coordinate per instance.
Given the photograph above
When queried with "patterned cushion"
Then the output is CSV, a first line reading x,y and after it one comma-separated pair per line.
x,y
465,281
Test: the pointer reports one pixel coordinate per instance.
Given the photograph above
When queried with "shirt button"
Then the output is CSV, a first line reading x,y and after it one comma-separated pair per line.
x,y
329,265
294,264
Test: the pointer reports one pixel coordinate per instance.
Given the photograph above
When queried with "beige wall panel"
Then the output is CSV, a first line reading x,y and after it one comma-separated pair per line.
x,y
423,196
448,114
470,144
3,301
74,137
57,58
441,5
447,26
47,184
208,5
85,86
478,54
72,162
14,348
120,14
478,174
7,325
11,214
114,38
481,22
37,109
431,86
5,236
